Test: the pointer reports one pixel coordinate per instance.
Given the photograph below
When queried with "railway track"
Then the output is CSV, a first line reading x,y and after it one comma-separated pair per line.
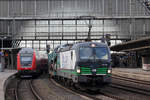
x,y
112,95
30,90
89,94
128,89
26,91
49,91
131,89
133,85
10,89
74,91
131,80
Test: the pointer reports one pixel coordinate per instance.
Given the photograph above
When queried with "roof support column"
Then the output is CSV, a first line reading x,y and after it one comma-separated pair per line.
x,y
103,28
76,29
48,29
26,43
39,44
32,44
103,11
35,29
62,29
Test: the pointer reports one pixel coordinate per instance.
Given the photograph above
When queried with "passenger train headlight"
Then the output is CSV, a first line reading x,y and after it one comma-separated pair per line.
x,y
109,71
78,71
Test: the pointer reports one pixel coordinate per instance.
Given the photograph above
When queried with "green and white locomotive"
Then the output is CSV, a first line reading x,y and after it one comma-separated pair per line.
x,y
86,65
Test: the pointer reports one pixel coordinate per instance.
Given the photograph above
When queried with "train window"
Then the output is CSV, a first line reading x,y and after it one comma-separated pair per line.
x,y
101,53
26,59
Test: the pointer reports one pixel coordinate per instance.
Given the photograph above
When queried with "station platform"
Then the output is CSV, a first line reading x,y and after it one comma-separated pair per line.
x,y
3,77
135,73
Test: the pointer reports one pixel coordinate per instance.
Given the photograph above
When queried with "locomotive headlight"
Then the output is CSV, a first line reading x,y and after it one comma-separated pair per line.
x,y
78,71
109,71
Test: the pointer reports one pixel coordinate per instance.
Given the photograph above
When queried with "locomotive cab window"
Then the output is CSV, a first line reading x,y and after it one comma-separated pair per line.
x,y
86,53
93,53
101,53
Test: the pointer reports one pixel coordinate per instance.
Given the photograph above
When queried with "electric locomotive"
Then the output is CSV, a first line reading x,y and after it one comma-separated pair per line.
x,y
28,62
86,65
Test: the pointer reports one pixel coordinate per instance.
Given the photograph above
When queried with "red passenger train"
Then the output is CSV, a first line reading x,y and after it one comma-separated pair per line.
x,y
28,62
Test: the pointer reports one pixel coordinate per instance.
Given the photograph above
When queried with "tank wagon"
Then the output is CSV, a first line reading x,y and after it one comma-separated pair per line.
x,y
85,65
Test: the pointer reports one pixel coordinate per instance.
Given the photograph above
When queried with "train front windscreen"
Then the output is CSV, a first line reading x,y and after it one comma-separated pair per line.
x,y
93,53
26,60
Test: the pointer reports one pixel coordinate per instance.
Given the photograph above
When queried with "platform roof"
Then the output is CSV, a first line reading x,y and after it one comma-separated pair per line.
x,y
134,45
